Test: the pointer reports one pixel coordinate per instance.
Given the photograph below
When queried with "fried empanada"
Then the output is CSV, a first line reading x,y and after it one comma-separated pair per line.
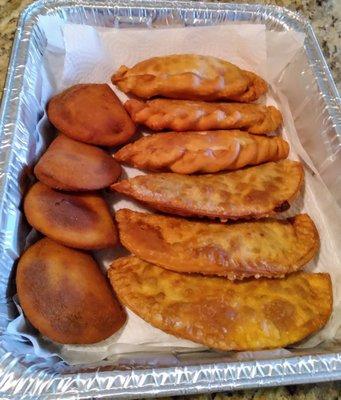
x,y
65,295
91,113
204,152
76,220
71,165
185,115
189,77
247,315
269,248
249,193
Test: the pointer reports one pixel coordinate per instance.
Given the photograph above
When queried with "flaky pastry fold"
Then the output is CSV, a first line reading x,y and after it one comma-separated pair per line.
x,y
225,315
268,247
252,192
201,152
185,115
189,77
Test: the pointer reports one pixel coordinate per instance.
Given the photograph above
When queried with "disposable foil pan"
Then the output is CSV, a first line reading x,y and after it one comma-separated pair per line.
x,y
24,376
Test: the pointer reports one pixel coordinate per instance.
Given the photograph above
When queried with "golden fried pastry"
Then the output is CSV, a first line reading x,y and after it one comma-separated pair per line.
x,y
269,248
76,220
249,193
204,152
65,295
91,113
256,88
185,115
71,165
247,315
189,77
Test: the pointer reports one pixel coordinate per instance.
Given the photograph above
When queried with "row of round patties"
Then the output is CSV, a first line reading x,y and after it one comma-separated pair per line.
x,y
62,290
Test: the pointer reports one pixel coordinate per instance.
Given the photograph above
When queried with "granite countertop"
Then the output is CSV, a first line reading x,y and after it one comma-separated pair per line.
x,y
325,16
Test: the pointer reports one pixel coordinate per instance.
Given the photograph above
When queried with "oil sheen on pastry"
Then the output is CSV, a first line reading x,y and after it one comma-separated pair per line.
x,y
189,77
201,152
65,296
80,220
71,165
185,115
245,315
268,247
252,192
91,113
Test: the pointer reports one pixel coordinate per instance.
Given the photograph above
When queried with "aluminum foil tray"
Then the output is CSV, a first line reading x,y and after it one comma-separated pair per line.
x,y
26,376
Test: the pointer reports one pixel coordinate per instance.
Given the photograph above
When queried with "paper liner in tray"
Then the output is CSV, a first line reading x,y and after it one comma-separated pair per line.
x,y
80,53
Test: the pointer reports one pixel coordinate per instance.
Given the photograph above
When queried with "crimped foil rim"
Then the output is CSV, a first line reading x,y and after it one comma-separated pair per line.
x,y
34,380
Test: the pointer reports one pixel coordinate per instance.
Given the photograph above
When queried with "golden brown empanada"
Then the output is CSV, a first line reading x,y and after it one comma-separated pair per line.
x,y
204,152
186,115
269,248
247,315
249,193
189,77
91,113
80,220
71,165
65,295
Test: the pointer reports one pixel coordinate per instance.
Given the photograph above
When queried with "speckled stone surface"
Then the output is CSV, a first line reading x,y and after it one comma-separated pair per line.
x,y
322,391
325,16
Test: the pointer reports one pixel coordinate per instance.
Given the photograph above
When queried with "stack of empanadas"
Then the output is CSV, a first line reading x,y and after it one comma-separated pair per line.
x,y
232,280
235,284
